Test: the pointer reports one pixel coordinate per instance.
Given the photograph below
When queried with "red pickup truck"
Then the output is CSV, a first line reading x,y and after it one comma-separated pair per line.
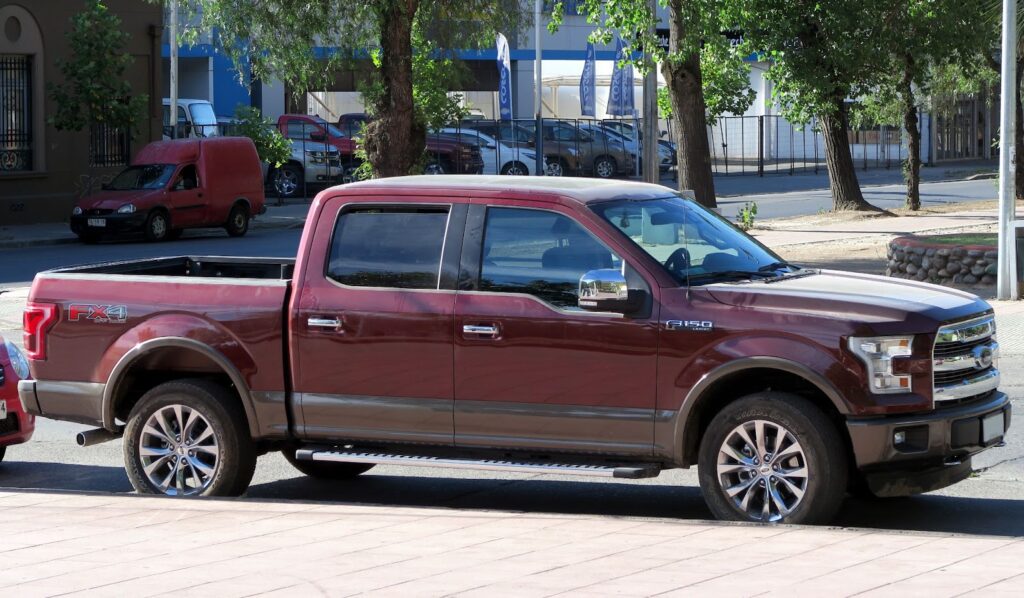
x,y
536,325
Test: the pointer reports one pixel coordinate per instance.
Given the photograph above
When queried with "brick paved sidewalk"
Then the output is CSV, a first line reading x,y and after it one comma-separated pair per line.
x,y
142,546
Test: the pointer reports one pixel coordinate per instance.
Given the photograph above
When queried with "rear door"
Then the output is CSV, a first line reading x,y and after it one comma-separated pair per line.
x,y
372,325
532,370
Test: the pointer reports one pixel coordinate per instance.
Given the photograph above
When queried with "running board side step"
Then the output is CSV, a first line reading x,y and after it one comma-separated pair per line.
x,y
610,471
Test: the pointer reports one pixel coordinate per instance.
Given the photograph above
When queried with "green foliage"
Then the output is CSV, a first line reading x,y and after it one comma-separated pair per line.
x,y
272,147
746,216
664,103
433,74
94,89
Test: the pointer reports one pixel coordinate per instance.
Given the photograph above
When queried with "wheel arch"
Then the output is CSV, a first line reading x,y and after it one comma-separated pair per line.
x,y
126,385
742,377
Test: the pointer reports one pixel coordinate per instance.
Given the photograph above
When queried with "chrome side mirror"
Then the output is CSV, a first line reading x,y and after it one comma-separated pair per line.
x,y
607,290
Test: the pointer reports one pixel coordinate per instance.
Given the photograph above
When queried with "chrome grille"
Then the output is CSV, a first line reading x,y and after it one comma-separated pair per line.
x,y
964,360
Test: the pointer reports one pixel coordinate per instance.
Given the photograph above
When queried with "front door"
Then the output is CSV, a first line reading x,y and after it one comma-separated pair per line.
x,y
188,198
532,370
372,325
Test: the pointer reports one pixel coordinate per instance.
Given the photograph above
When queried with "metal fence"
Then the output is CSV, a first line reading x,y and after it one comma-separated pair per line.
x,y
16,112
109,146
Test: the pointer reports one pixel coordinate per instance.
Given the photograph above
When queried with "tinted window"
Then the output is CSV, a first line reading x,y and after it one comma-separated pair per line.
x,y
540,253
388,247
298,129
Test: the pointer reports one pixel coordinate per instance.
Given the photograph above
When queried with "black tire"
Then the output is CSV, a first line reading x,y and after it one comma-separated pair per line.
x,y
288,180
158,226
515,168
605,167
238,221
222,414
556,167
322,470
822,455
89,238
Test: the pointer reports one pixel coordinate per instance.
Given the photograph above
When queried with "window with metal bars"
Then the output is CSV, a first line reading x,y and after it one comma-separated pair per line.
x,y
16,143
109,146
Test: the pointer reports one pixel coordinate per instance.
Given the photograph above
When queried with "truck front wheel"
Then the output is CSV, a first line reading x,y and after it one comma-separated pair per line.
x,y
189,438
326,470
773,458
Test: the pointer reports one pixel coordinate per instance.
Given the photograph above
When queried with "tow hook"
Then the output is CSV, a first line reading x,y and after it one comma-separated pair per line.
x,y
97,436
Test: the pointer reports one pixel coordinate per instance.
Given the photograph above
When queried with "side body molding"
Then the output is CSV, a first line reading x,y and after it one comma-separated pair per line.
x,y
141,349
674,427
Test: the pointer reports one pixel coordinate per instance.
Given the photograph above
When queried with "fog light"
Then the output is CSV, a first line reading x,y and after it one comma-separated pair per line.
x,y
899,437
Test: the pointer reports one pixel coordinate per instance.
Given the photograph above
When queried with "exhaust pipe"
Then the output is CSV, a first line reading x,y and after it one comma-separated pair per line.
x,y
97,436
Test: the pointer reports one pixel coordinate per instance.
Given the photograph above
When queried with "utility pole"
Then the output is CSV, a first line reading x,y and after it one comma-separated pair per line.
x,y
1007,286
652,165
172,116
539,133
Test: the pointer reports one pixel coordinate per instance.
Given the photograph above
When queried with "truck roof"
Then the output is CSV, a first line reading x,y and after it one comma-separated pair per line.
x,y
179,151
582,190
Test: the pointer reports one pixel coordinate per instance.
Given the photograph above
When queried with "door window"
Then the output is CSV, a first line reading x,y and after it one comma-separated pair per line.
x,y
188,179
388,247
540,253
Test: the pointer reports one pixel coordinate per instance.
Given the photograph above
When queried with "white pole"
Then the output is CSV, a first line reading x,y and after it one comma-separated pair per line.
x,y
652,164
1006,284
172,117
539,135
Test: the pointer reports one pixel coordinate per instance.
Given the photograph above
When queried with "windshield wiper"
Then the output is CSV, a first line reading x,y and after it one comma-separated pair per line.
x,y
728,274
776,266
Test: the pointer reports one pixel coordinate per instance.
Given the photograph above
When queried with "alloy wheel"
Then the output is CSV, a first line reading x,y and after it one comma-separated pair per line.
x,y
178,450
286,182
605,169
763,470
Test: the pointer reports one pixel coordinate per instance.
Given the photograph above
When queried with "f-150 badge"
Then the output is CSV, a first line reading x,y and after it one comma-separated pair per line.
x,y
100,314
691,325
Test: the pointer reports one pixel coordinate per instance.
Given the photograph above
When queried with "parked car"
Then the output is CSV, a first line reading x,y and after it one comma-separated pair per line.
x,y
446,154
667,156
173,185
571,149
600,328
498,157
311,166
16,426
196,119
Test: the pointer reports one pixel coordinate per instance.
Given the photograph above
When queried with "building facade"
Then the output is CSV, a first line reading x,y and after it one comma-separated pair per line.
x,y
42,170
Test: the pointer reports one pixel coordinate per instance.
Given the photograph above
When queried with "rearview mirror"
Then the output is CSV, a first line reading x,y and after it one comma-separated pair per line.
x,y
317,136
607,290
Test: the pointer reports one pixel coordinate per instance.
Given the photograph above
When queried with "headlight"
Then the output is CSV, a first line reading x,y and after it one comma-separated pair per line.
x,y
76,211
18,361
877,354
127,208
316,157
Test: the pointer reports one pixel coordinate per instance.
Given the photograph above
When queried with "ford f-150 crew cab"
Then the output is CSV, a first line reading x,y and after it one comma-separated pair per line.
x,y
542,325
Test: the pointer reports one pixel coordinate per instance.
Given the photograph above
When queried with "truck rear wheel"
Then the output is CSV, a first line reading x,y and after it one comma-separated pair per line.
x,y
238,221
773,458
189,438
327,471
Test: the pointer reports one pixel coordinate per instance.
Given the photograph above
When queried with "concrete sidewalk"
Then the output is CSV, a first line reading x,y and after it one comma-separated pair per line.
x,y
148,546
289,215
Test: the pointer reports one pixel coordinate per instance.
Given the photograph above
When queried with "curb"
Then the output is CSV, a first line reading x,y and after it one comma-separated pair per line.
x,y
289,224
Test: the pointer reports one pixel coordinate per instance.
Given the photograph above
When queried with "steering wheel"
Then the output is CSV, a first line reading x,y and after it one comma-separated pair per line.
x,y
679,261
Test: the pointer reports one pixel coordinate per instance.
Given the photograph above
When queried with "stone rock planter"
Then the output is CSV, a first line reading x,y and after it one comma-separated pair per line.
x,y
941,259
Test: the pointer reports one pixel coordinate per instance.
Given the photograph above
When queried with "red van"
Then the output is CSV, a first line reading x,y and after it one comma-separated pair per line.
x,y
174,185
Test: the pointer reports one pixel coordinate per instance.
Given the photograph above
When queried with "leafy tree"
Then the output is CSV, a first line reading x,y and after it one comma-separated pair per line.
x,y
705,74
304,43
271,146
94,90
822,52
925,38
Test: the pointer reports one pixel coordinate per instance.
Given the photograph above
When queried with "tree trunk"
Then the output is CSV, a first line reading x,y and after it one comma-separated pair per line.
x,y
1018,135
394,139
912,167
691,133
842,174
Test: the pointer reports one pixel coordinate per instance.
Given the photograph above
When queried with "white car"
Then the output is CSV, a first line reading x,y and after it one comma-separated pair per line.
x,y
499,157
196,118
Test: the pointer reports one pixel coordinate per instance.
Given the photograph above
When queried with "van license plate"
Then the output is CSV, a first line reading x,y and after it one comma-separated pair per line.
x,y
101,222
992,427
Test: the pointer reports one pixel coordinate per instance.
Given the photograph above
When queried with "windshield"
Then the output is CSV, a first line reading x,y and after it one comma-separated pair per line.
x,y
693,243
202,113
147,176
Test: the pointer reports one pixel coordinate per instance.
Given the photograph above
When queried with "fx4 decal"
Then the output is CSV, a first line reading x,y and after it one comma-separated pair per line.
x,y
100,314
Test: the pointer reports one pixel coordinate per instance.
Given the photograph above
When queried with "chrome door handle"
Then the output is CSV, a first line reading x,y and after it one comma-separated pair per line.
x,y
324,322
473,329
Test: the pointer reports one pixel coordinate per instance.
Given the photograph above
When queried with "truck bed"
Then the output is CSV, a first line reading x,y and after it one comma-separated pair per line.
x,y
194,267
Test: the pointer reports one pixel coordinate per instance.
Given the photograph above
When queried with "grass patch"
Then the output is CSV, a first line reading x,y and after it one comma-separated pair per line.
x,y
961,239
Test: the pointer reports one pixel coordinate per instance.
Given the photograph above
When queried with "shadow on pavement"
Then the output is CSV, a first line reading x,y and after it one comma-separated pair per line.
x,y
60,476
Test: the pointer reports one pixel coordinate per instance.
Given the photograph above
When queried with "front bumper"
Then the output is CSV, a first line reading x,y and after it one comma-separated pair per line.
x,y
937,446
112,223
16,426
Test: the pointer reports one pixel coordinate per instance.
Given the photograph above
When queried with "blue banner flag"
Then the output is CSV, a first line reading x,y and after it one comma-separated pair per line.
x,y
588,83
620,94
505,74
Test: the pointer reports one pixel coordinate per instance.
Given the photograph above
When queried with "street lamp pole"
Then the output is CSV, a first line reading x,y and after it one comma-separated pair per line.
x,y
172,115
539,132
1007,286
652,165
